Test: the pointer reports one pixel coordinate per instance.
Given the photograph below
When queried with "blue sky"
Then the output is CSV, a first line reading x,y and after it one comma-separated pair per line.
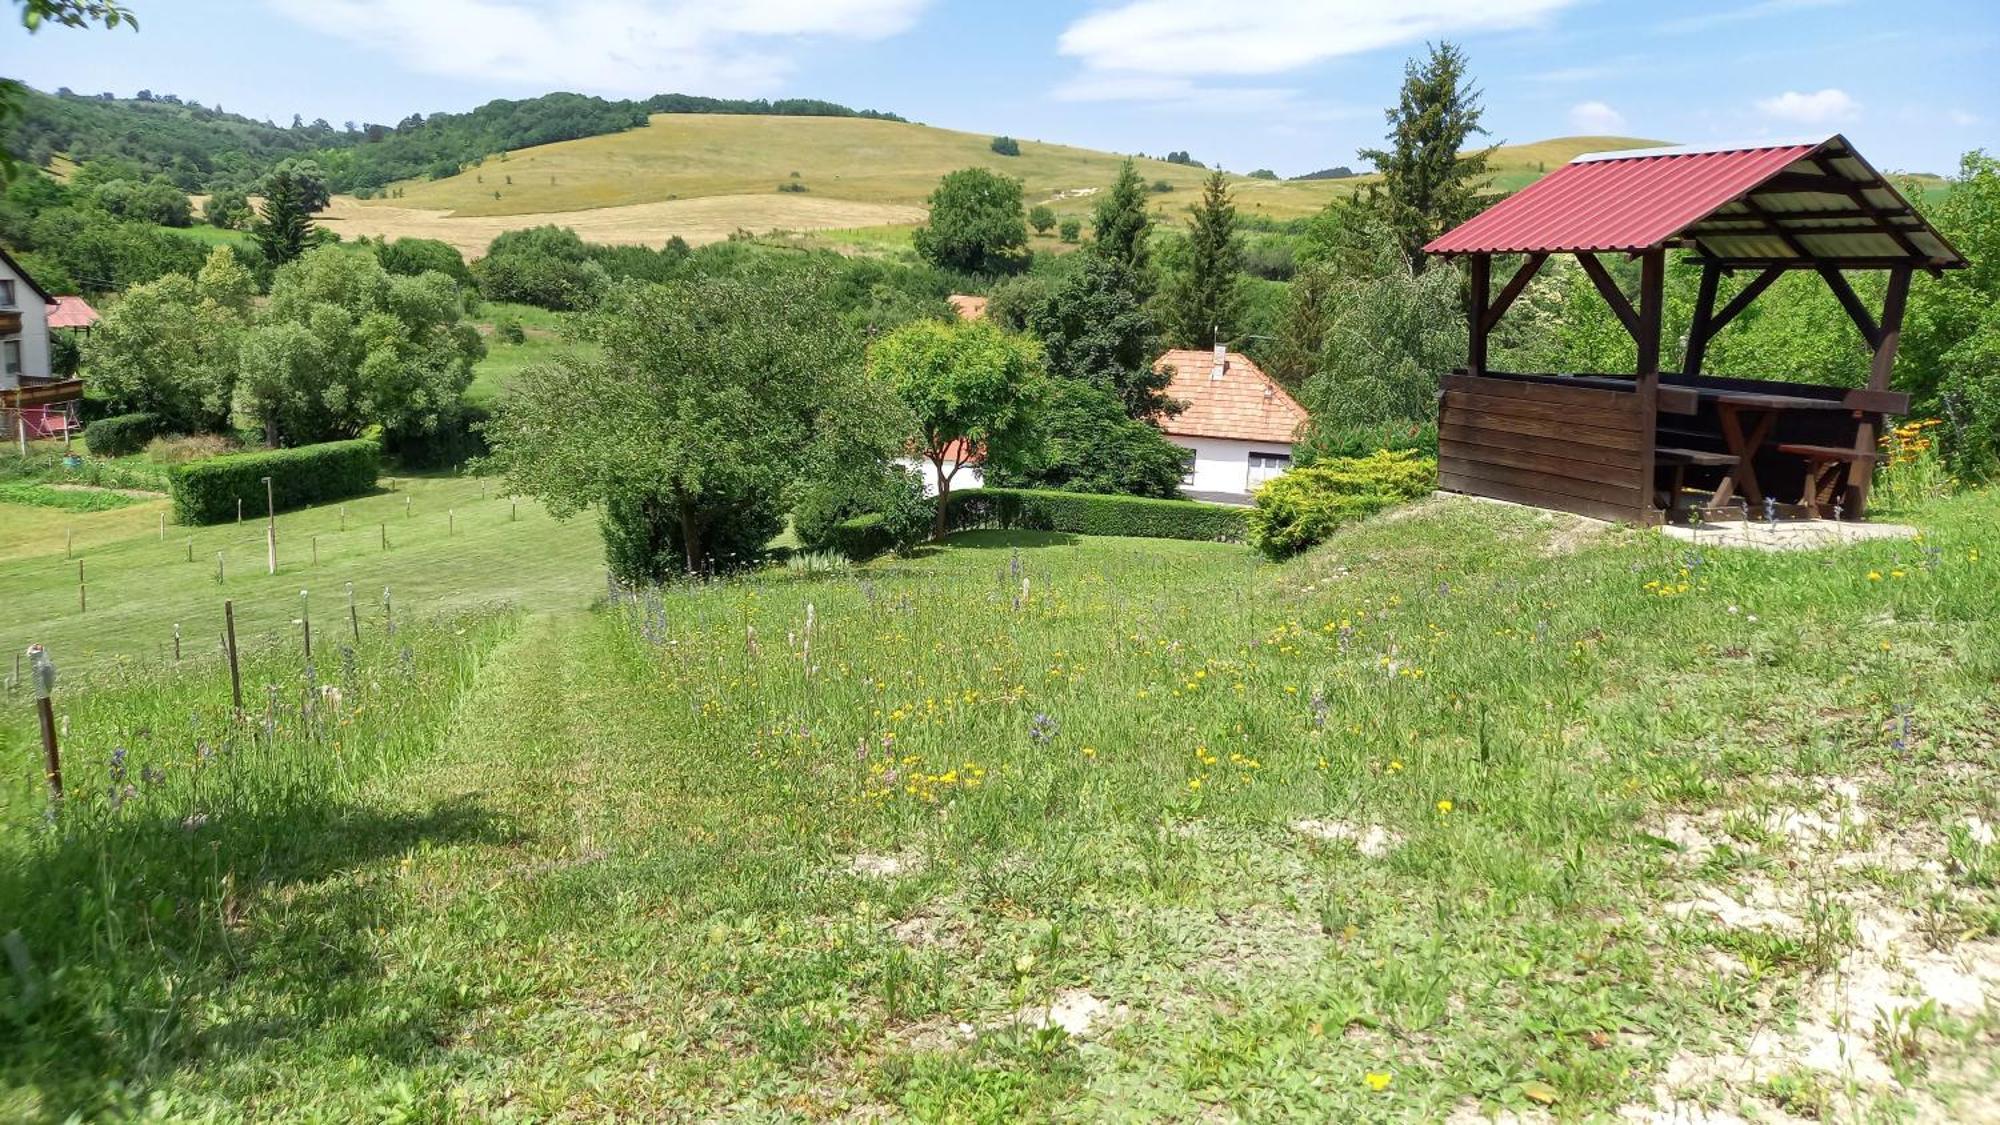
x,y
1291,85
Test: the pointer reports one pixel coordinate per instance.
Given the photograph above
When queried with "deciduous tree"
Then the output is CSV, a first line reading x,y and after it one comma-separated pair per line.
x,y
975,223
967,383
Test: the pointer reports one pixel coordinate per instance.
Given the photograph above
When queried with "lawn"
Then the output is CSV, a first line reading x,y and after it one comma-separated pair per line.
x,y
1473,810
543,341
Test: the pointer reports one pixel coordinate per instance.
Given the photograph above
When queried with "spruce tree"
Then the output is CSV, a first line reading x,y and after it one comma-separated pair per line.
x,y
1123,228
1429,185
1204,289
286,228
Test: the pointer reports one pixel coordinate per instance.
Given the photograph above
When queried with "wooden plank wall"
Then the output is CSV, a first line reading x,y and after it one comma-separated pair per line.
x,y
1574,449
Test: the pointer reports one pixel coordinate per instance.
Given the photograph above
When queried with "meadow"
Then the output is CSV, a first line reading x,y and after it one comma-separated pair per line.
x,y
1475,809
704,176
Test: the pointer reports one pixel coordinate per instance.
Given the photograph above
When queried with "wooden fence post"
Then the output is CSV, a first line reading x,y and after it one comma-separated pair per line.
x,y
388,612
82,602
44,671
353,615
235,669
270,529
306,621
177,642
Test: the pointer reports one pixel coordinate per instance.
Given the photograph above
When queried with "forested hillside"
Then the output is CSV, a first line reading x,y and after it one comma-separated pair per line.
x,y
205,148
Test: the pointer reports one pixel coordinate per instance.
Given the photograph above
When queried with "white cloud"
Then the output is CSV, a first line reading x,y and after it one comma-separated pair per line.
x,y
1823,107
1962,117
620,47
1201,37
1596,118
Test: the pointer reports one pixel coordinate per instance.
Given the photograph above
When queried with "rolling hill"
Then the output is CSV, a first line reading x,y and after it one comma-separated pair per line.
x,y
702,176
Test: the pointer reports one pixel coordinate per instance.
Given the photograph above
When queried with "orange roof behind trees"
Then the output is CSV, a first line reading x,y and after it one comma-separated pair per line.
x,y
1243,403
71,312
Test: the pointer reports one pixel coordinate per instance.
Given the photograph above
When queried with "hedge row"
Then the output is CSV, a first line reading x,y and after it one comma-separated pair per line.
x,y
208,491
1094,514
1306,505
120,434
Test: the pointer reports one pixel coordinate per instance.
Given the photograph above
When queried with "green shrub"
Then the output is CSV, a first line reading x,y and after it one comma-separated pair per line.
x,y
121,434
1304,506
1095,514
207,491
862,515
1363,439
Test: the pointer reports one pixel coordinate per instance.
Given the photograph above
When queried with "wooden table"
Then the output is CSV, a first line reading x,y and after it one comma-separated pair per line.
x,y
1760,410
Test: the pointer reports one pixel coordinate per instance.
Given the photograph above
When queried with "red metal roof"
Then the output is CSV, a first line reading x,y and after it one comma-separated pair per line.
x,y
71,312
1617,202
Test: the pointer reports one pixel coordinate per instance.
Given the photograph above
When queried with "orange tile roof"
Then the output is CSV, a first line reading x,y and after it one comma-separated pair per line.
x,y
968,307
1244,403
71,312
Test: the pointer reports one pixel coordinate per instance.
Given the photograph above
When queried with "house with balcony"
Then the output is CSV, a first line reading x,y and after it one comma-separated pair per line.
x,y
34,402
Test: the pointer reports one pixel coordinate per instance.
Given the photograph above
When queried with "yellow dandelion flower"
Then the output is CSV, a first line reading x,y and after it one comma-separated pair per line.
x,y
1194,784
1444,808
1874,576
1395,765
1379,1080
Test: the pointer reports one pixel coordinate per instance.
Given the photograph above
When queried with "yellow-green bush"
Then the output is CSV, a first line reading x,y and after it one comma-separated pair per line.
x,y
1304,506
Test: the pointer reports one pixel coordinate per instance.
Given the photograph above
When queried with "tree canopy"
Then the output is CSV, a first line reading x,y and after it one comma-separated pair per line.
x,y
1203,295
1429,182
975,223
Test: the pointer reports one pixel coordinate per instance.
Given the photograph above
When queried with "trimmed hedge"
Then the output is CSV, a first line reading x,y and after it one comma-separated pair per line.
x,y
121,434
1088,513
207,491
1304,506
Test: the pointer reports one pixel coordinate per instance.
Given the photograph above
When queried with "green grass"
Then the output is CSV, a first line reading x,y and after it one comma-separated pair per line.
x,y
504,361
781,847
65,499
451,549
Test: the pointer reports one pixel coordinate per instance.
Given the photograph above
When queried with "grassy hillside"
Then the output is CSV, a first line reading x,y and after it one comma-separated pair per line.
x,y
1475,813
703,175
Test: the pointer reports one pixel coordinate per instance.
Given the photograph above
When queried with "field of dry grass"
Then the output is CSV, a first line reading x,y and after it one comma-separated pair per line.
x,y
703,176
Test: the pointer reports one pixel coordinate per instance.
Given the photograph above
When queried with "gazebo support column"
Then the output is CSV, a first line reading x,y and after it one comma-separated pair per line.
x,y
1652,299
1887,335
1481,283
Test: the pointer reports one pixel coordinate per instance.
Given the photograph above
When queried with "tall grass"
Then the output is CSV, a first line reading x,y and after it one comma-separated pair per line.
x,y
179,884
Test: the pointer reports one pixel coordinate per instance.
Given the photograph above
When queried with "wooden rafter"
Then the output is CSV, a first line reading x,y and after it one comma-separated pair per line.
x,y
1513,288
1608,287
1856,311
1862,203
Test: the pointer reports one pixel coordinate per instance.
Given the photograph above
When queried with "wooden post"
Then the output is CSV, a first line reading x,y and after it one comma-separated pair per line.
x,y
21,430
218,568
82,602
513,509
1880,368
315,542
69,542
1482,299
353,616
343,517
235,668
1704,318
177,642
163,527
450,522
1652,298
190,550
270,529
44,671
388,612
406,505
385,536
239,511
306,621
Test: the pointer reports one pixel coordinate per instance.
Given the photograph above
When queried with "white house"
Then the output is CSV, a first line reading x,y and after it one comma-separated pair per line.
x,y
24,326
1238,425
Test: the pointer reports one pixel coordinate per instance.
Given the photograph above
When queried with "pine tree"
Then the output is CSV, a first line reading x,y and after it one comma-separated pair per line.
x,y
1123,228
286,228
1204,289
1428,185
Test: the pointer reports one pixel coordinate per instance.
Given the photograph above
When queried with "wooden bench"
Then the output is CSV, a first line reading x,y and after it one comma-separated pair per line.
x,y
1828,468
1680,460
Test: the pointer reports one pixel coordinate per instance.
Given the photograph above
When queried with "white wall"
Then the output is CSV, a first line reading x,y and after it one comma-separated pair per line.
x,y
1223,464
34,334
968,476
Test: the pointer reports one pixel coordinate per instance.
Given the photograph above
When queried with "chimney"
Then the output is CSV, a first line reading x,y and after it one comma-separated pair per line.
x,y
1221,363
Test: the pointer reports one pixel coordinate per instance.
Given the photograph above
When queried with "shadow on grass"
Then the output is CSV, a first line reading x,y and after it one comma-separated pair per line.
x,y
993,539
144,945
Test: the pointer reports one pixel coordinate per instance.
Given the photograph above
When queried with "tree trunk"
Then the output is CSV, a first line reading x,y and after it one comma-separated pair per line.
x,y
270,428
690,533
938,527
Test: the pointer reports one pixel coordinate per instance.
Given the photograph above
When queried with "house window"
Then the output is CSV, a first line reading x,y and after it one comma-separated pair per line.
x,y
10,357
1264,466
6,292
1187,466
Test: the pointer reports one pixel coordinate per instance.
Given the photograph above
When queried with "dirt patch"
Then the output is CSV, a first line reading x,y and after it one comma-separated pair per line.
x,y
1371,840
882,866
696,221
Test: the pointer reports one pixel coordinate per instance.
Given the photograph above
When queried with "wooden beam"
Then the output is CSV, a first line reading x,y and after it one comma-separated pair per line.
x,y
1742,299
1652,304
1482,297
1867,263
1704,321
1513,289
1858,312
1880,368
1787,237
1613,296
1712,225
1824,182
1863,204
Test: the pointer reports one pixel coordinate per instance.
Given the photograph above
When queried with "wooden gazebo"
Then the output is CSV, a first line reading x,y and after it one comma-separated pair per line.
x,y
1629,446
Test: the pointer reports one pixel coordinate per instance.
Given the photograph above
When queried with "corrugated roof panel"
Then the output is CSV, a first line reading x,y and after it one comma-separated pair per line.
x,y
1640,200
